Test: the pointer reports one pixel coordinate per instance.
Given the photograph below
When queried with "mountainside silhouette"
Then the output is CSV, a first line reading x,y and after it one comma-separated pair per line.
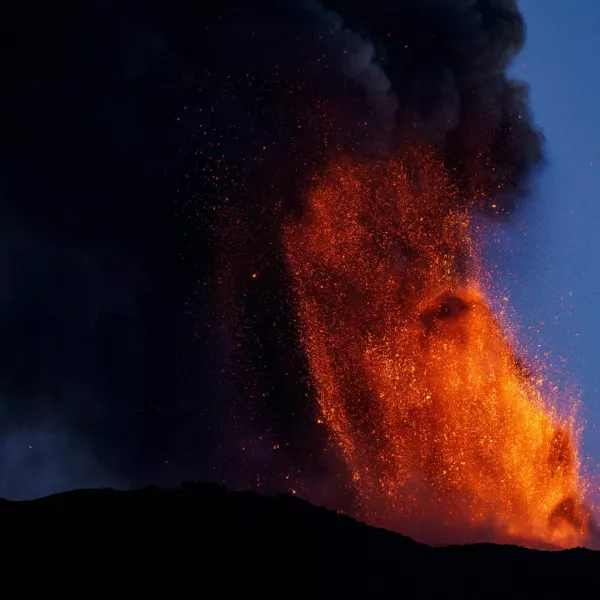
x,y
226,543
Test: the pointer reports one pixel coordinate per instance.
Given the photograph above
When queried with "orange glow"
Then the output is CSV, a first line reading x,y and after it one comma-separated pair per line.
x,y
446,435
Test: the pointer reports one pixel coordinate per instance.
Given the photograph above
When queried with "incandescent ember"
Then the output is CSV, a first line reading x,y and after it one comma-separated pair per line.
x,y
446,434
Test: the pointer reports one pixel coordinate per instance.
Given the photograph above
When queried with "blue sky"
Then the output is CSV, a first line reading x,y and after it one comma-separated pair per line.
x,y
549,258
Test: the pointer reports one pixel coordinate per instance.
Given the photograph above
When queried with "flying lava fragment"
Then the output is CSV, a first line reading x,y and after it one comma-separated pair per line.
x,y
447,436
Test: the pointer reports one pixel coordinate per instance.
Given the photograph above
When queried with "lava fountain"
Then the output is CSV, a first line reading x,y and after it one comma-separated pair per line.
x,y
446,435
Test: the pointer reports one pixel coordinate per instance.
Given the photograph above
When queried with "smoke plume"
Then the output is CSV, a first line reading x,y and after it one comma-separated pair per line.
x,y
137,133
377,76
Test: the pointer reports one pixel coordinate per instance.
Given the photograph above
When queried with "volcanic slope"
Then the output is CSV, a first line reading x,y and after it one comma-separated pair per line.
x,y
227,543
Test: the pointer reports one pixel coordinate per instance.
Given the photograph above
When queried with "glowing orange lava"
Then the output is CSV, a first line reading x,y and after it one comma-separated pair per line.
x,y
446,435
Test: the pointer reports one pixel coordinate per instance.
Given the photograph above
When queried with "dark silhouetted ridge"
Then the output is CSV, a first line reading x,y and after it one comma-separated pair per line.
x,y
227,543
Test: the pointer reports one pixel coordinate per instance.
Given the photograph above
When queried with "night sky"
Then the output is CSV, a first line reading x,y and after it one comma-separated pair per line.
x,y
125,124
548,259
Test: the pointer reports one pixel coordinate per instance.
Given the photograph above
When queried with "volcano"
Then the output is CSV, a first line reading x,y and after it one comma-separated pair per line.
x,y
316,318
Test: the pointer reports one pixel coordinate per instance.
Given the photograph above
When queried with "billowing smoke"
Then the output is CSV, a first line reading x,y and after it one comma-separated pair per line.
x,y
446,61
375,76
139,132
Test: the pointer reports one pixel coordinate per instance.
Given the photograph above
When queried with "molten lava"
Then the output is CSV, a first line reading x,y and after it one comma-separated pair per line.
x,y
447,436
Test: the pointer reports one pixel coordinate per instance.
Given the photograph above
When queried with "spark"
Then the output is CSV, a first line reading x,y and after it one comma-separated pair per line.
x,y
435,415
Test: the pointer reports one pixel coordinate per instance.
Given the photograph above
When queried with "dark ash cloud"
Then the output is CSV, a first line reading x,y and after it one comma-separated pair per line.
x,y
126,123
